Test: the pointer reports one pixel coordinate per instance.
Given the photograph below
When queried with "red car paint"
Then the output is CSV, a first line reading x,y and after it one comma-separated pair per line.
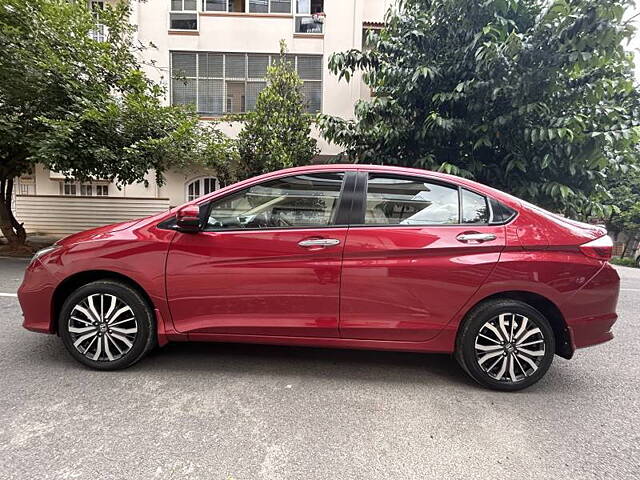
x,y
382,287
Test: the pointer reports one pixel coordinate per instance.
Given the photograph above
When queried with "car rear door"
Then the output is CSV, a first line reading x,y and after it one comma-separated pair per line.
x,y
267,263
416,251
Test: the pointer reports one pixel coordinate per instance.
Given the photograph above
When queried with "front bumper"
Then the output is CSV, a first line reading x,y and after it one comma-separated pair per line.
x,y
36,298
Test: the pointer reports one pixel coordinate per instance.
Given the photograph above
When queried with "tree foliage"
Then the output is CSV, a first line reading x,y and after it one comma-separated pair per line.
x,y
277,133
534,97
122,138
623,196
84,107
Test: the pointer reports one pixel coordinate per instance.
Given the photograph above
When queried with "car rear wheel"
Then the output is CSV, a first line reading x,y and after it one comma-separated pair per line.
x,y
505,345
106,325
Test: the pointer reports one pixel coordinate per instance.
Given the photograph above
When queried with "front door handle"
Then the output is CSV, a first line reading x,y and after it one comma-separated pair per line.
x,y
319,242
476,237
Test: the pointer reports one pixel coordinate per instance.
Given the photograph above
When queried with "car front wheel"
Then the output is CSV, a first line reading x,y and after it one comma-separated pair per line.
x,y
106,325
505,345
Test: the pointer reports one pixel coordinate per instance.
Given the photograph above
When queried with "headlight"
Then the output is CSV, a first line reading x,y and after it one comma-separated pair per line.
x,y
44,251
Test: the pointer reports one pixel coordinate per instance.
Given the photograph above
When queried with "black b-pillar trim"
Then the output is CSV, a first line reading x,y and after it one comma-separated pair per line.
x,y
360,199
346,199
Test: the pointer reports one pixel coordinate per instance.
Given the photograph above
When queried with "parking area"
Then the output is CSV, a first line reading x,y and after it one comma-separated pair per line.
x,y
227,411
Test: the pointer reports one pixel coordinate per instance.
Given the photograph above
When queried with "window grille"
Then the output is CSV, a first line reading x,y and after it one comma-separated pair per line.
x,y
221,83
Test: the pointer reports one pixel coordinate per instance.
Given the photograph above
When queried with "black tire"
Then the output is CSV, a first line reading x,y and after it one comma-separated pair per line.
x,y
145,337
488,312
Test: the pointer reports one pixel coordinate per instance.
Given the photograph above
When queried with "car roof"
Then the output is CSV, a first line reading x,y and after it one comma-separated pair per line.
x,y
444,177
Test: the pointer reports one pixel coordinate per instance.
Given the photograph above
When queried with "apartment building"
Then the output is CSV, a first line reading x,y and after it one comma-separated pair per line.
x,y
212,54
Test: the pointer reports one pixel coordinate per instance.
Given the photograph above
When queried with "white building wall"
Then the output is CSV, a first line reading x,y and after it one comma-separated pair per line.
x,y
261,33
57,215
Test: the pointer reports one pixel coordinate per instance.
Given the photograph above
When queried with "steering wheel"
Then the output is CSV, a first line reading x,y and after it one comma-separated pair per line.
x,y
259,221
215,223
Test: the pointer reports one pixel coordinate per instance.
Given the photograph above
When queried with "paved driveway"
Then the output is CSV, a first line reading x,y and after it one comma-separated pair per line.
x,y
257,412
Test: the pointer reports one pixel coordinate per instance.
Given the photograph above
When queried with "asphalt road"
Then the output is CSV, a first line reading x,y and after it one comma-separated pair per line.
x,y
214,411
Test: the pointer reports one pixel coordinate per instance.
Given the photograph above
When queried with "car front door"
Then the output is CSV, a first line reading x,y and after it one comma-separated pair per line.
x,y
417,252
266,263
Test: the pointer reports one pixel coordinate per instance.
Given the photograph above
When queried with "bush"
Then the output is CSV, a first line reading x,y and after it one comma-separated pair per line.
x,y
624,262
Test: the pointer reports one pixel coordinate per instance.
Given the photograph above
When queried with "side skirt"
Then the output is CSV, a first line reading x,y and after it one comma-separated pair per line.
x,y
444,342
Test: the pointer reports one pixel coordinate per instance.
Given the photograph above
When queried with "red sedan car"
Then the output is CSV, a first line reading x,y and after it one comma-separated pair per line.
x,y
347,256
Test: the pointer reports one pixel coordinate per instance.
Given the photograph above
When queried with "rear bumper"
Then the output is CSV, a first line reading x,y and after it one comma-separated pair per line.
x,y
586,332
35,296
591,312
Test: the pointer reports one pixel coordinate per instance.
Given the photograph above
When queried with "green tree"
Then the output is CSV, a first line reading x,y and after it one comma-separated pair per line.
x,y
630,222
218,152
81,106
277,133
534,97
123,138
622,193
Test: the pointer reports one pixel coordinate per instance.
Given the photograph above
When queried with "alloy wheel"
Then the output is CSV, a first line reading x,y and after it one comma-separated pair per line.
x,y
102,327
510,347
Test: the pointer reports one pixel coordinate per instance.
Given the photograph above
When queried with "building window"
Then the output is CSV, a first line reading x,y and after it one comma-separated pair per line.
x,y
237,6
215,5
68,188
309,16
84,189
99,32
183,15
369,38
221,83
26,185
200,186
270,6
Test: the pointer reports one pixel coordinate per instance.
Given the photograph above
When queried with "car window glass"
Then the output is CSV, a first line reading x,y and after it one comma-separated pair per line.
x,y
395,200
474,208
300,201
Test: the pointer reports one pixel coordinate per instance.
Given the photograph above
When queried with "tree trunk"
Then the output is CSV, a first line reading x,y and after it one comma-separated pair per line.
x,y
12,230
626,246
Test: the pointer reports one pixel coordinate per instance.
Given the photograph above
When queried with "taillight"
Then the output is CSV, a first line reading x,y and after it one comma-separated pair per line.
x,y
600,248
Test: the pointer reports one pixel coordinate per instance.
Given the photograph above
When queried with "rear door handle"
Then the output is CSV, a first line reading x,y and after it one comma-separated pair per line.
x,y
319,242
476,237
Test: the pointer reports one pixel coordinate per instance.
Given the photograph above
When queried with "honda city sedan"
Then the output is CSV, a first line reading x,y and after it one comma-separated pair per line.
x,y
344,256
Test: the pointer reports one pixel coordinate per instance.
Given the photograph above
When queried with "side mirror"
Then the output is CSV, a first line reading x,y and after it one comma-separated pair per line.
x,y
188,219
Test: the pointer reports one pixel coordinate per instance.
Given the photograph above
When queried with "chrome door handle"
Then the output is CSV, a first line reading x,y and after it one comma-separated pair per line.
x,y
476,237
319,242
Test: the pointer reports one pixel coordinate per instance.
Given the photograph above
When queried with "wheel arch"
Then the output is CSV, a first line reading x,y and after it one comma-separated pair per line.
x,y
78,279
545,306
